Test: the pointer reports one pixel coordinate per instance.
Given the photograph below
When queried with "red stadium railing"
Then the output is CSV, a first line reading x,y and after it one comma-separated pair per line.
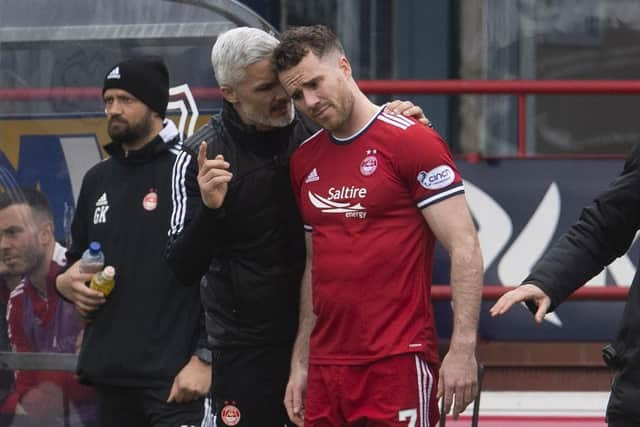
x,y
493,292
519,88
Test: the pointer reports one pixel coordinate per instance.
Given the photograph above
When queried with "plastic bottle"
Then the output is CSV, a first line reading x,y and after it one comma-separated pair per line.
x,y
104,280
92,259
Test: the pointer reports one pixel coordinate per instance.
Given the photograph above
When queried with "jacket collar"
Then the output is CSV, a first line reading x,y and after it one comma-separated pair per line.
x,y
168,137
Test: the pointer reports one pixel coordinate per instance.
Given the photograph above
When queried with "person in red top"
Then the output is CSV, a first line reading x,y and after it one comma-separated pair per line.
x,y
375,191
8,282
38,319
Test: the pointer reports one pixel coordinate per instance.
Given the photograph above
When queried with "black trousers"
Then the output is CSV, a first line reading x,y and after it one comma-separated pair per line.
x,y
620,421
249,385
145,407
624,400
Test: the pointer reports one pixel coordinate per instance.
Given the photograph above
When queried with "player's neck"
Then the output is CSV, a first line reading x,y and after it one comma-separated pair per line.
x,y
362,112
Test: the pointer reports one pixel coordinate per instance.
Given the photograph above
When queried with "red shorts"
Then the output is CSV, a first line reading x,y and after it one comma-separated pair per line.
x,y
395,391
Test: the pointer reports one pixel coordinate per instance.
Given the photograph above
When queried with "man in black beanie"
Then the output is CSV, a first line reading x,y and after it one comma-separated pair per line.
x,y
144,349
145,78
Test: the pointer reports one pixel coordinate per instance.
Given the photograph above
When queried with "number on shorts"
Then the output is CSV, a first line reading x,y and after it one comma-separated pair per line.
x,y
408,414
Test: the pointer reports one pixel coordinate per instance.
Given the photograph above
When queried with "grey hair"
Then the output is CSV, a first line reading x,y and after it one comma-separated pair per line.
x,y
236,49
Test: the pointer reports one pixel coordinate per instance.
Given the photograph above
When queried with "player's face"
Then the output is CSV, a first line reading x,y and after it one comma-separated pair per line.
x,y
319,88
20,247
129,120
259,98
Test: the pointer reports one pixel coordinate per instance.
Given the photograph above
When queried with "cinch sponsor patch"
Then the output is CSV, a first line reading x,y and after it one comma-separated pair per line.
x,y
439,177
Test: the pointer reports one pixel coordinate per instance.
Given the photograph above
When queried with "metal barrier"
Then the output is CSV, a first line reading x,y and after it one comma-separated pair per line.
x,y
61,414
67,362
38,361
519,88
493,292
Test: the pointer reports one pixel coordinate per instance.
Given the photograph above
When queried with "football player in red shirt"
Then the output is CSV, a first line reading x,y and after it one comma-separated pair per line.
x,y
375,191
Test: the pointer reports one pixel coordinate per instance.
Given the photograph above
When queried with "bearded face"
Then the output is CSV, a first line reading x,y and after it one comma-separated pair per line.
x,y
125,130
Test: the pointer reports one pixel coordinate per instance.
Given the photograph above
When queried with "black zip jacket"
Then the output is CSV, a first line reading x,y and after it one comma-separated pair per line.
x,y
604,231
252,247
149,326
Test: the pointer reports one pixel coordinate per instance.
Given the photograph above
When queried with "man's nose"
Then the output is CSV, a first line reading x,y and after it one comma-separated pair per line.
x,y
4,242
310,98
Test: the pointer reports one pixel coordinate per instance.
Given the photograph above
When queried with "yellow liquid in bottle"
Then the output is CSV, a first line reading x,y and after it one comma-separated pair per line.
x,y
104,281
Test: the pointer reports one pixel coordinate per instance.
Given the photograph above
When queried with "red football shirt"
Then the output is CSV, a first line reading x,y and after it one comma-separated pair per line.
x,y
361,198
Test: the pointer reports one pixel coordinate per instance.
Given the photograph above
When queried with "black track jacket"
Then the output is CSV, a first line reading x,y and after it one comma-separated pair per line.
x,y
604,231
150,325
252,247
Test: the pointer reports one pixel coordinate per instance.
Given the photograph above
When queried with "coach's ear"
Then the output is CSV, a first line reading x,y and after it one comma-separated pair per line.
x,y
229,94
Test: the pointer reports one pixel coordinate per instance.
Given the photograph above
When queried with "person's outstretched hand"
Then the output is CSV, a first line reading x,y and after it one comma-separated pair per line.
x,y
526,292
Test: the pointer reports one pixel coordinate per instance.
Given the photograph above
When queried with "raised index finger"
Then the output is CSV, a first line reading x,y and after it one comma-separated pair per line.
x,y
202,154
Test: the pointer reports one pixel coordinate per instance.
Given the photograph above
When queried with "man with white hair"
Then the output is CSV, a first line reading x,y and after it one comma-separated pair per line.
x,y
247,237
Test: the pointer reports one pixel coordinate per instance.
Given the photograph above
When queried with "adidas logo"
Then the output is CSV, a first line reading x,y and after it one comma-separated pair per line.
x,y
313,176
102,207
102,201
114,74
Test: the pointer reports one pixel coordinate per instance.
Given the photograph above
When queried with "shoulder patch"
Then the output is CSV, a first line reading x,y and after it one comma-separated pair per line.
x,y
439,177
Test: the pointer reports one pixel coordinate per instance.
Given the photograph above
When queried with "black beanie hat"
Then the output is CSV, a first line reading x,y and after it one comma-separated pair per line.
x,y
146,78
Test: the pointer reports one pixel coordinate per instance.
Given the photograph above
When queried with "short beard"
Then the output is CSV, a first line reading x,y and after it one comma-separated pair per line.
x,y
38,259
346,107
35,259
131,133
268,121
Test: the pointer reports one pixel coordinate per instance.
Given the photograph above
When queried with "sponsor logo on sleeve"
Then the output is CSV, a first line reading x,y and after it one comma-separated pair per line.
x,y
437,178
